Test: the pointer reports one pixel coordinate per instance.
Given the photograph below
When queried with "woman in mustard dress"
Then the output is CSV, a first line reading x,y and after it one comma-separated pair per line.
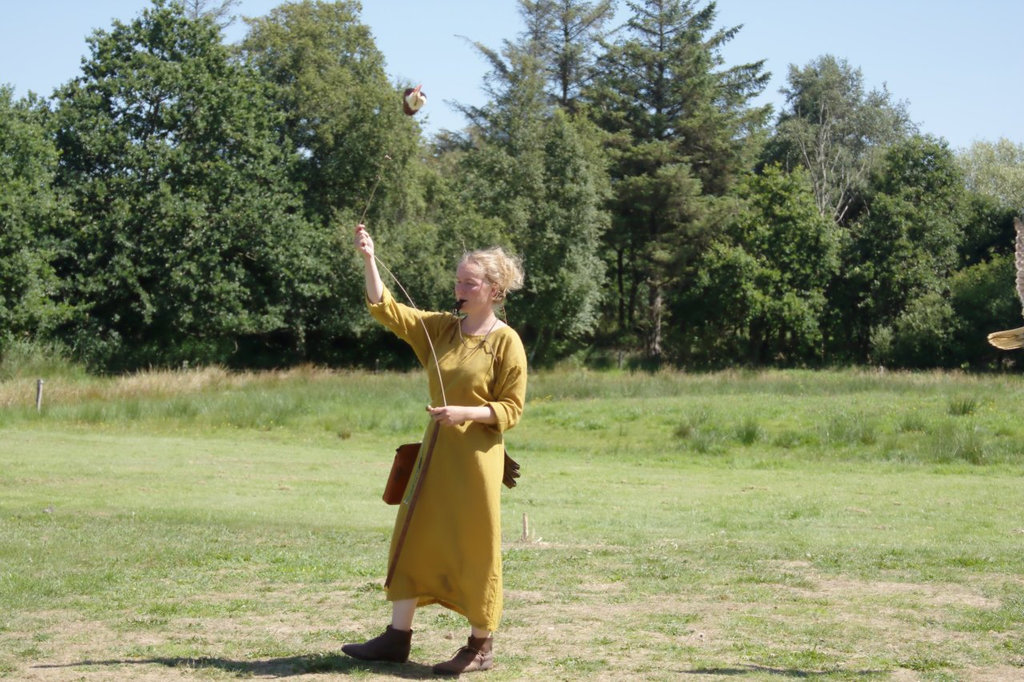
x,y
451,554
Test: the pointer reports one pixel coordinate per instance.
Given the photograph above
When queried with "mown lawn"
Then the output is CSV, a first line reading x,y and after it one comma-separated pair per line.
x,y
755,526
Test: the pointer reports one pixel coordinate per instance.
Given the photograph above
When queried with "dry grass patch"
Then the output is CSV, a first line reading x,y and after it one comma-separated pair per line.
x,y
151,384
859,629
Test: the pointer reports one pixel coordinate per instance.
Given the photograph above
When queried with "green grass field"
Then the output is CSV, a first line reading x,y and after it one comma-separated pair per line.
x,y
754,526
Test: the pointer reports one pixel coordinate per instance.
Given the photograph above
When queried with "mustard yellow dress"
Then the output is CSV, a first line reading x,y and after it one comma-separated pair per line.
x,y
452,550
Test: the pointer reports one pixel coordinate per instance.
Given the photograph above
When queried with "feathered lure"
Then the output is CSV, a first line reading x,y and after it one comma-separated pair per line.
x,y
1012,339
413,100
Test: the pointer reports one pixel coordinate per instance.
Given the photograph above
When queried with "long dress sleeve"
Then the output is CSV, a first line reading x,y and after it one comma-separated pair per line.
x,y
409,324
509,383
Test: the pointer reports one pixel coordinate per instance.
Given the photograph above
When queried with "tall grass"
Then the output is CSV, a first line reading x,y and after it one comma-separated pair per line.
x,y
213,399
30,360
743,416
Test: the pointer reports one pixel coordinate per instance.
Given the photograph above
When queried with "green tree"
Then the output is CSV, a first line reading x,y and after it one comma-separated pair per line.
x,y
359,158
902,254
681,134
983,299
762,291
188,241
836,130
995,170
983,293
990,229
341,114
29,212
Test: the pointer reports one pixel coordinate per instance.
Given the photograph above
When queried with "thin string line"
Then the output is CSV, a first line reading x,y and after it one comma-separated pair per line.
x,y
373,190
433,353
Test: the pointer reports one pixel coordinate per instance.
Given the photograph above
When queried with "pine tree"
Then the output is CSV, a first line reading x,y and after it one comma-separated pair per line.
x,y
566,36
681,133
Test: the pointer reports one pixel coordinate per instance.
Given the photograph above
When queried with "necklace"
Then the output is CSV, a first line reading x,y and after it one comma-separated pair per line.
x,y
483,340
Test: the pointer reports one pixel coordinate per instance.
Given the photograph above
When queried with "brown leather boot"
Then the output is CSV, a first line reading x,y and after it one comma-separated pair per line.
x,y
391,645
476,655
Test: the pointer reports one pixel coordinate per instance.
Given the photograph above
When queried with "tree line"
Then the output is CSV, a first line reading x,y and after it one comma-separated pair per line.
x,y
187,201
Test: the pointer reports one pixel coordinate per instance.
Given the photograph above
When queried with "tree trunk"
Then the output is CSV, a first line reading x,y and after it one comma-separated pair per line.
x,y
621,281
656,307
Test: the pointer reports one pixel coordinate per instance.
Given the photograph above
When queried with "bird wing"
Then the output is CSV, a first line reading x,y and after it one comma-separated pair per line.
x,y
1018,259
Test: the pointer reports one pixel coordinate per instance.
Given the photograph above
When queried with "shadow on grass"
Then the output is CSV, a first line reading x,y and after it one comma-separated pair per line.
x,y
739,671
275,667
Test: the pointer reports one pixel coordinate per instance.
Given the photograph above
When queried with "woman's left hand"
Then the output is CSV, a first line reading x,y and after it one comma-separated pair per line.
x,y
454,415
449,415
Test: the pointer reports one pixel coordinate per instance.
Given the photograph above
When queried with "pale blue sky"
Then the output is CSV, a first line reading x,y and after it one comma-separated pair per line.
x,y
959,65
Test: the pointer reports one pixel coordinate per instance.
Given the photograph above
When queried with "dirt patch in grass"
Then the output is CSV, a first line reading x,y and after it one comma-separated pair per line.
x,y
852,629
937,595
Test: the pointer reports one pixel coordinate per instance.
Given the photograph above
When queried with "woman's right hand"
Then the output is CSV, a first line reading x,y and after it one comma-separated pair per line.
x,y
374,285
364,243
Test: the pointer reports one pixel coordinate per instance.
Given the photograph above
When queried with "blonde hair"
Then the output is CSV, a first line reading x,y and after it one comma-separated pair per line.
x,y
503,270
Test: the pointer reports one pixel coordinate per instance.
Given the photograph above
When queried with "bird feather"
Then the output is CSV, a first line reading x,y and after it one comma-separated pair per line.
x,y
1018,259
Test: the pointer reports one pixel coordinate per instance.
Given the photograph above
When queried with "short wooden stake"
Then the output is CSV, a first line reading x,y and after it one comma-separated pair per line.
x,y
39,395
526,528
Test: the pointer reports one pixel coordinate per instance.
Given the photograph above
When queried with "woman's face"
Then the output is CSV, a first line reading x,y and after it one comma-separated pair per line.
x,y
472,288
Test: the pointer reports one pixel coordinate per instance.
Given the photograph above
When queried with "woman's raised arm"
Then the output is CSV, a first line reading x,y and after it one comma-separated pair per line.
x,y
374,284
